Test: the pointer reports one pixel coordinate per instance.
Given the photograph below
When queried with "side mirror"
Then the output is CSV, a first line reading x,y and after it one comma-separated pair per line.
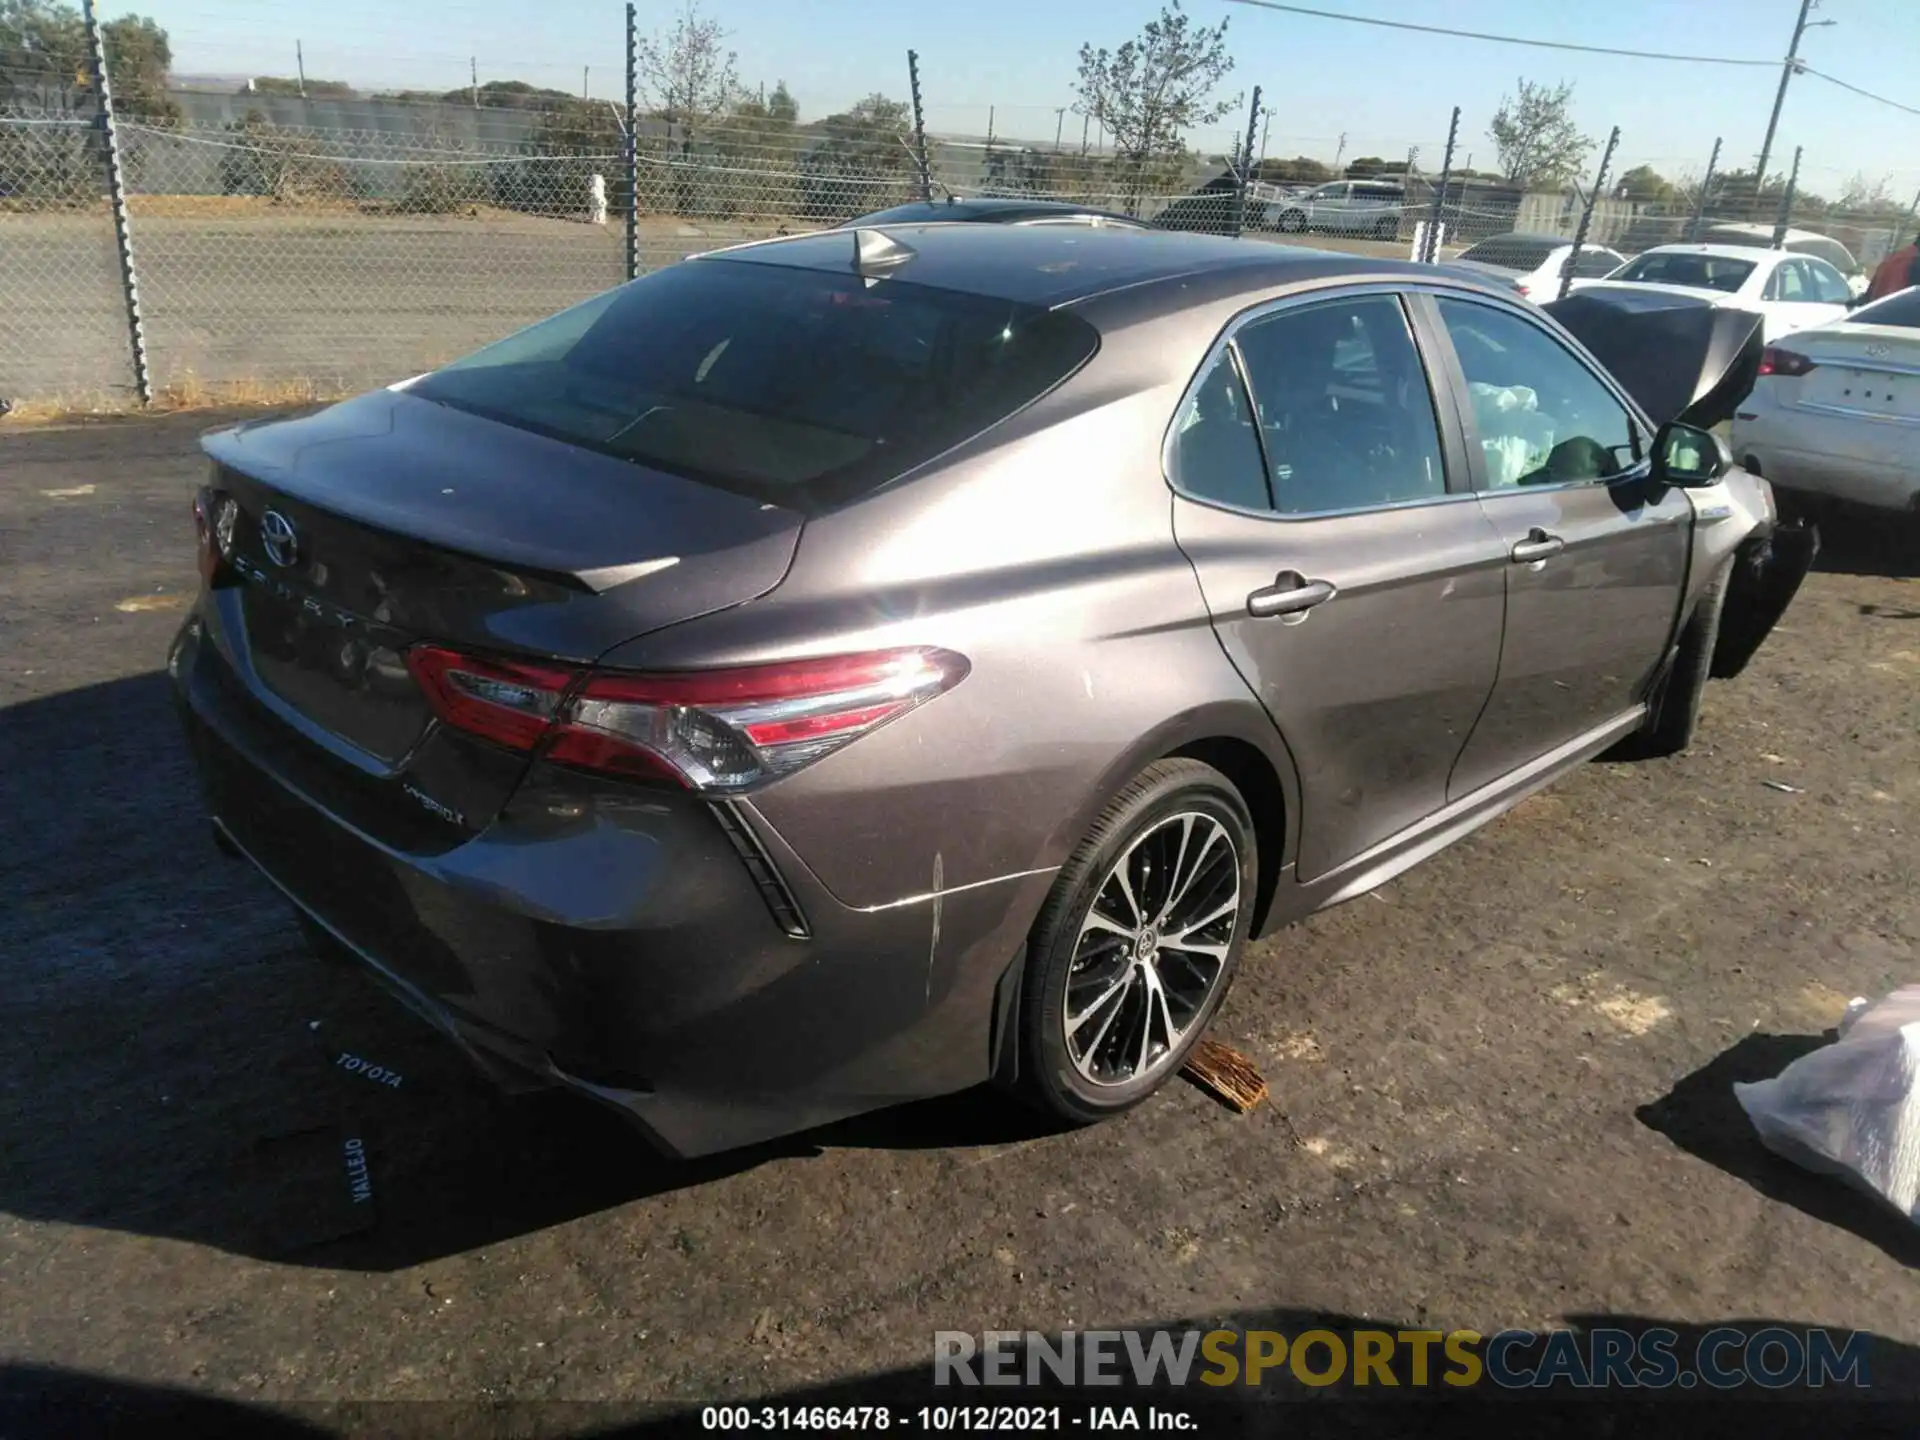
x,y
1689,457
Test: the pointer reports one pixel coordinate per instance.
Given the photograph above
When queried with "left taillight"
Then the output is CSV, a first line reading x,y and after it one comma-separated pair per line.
x,y
214,517
1777,360
710,730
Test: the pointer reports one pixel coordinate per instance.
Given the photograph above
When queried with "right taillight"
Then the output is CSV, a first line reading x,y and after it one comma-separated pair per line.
x,y
214,516
1776,361
714,730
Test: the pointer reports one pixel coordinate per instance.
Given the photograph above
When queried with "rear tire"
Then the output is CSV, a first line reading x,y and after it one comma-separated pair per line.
x,y
1109,1008
1675,715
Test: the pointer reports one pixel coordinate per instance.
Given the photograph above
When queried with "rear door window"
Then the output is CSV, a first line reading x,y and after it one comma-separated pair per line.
x,y
1829,285
1345,413
1789,282
802,387
1901,308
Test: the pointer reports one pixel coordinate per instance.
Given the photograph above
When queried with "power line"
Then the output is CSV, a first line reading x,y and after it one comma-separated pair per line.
x,y
1501,39
1818,75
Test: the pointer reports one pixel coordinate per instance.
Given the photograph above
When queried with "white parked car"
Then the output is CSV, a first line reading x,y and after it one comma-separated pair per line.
x,y
1793,292
1533,263
1836,414
1801,242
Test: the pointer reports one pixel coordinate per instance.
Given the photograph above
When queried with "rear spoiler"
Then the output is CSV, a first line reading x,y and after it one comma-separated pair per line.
x,y
1683,358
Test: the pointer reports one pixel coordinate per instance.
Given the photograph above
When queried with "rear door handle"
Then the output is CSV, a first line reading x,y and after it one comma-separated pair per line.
x,y
1537,546
1290,594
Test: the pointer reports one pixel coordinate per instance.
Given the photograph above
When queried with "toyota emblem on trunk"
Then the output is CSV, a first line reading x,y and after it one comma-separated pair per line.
x,y
276,534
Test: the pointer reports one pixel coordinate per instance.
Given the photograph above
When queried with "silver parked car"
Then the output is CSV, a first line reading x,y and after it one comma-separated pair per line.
x,y
1362,207
848,668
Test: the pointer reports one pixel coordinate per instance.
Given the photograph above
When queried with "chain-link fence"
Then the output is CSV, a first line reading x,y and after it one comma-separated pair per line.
x,y
277,256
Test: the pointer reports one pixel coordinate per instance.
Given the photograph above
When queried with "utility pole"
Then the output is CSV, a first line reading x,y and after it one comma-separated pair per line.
x,y
584,71
1787,72
473,76
300,63
1266,124
1340,154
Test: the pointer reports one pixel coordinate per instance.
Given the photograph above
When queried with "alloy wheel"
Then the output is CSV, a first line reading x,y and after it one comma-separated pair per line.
x,y
1152,949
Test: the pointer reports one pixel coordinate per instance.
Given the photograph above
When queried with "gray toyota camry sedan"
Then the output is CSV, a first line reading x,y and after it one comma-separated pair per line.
x,y
850,668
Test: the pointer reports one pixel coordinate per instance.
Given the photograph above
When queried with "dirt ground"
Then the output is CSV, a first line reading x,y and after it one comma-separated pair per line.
x,y
1500,1086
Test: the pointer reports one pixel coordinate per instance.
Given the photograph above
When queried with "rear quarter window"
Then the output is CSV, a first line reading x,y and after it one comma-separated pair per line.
x,y
801,387
1901,308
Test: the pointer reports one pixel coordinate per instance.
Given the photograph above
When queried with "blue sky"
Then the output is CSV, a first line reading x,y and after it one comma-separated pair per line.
x,y
1385,90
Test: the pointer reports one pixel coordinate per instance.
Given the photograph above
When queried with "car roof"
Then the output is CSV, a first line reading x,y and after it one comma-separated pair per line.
x,y
1749,253
1053,266
984,208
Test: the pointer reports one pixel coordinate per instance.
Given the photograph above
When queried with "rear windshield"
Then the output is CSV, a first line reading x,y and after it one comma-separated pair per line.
x,y
1900,308
1701,272
796,386
1511,253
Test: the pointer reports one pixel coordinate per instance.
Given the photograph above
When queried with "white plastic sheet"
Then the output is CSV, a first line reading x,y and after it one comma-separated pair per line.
x,y
1852,1108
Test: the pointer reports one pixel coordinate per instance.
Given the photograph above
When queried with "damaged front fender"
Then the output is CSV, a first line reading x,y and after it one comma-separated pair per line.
x,y
1767,570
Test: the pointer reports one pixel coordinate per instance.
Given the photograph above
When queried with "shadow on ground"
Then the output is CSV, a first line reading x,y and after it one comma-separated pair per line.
x,y
1873,1389
1702,1116
1856,542
169,1027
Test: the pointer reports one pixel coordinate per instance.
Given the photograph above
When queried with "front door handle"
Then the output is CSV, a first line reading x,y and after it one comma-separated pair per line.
x,y
1537,546
1290,594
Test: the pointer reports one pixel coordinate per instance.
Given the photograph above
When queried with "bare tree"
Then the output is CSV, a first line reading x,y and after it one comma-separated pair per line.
x,y
1152,90
1535,134
688,77
687,74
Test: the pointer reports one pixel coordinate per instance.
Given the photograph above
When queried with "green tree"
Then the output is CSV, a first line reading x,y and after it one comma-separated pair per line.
x,y
139,60
756,149
43,55
312,89
1300,170
1647,185
861,163
1156,87
1534,132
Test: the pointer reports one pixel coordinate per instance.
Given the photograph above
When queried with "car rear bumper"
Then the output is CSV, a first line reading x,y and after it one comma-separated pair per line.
x,y
636,946
1860,461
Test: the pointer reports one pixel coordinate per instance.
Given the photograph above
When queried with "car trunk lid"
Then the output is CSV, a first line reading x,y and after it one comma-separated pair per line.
x,y
389,521
1868,371
1682,357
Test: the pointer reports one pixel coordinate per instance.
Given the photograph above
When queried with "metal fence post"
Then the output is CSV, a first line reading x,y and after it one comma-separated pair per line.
x,y
1786,201
633,146
1706,184
1586,215
1431,246
1246,167
117,199
920,126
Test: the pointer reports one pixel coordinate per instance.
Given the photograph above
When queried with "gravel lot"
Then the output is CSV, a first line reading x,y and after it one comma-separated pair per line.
x,y
1499,1087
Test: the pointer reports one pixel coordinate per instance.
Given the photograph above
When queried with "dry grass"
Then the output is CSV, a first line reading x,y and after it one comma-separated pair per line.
x,y
192,394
